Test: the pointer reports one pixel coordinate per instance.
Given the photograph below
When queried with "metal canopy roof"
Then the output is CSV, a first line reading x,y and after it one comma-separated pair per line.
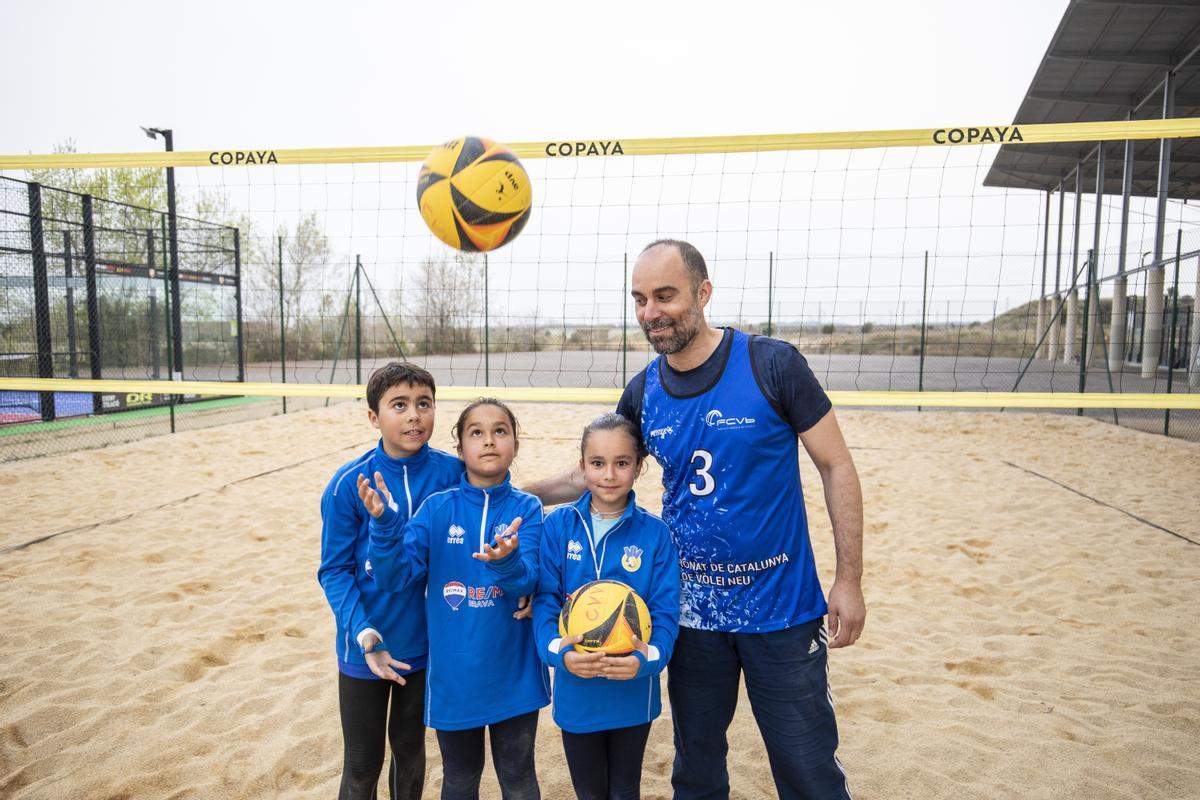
x,y
1107,59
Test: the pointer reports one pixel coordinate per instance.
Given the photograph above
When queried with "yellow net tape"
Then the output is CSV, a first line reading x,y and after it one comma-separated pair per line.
x,y
912,137
1101,400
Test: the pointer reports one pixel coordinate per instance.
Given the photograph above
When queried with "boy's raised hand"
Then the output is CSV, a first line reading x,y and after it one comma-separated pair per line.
x,y
371,499
506,543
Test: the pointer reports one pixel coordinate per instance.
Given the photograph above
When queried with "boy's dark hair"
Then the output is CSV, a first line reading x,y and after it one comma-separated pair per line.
x,y
692,259
483,401
393,373
613,422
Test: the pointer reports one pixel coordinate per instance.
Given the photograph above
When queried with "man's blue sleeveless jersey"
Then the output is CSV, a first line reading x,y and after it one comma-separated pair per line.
x,y
733,501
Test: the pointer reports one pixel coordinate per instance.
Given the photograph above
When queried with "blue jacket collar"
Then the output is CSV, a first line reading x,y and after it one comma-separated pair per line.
x,y
415,460
475,495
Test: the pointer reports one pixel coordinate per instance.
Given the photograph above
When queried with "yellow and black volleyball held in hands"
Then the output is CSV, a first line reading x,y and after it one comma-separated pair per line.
x,y
474,194
607,614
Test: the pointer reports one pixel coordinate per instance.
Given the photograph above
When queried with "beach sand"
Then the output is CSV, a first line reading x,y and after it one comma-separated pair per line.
x,y
1023,640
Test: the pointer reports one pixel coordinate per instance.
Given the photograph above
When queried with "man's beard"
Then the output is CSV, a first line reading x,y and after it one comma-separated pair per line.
x,y
682,332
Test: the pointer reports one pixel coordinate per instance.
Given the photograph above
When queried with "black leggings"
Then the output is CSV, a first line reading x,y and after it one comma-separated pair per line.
x,y
512,756
607,765
365,722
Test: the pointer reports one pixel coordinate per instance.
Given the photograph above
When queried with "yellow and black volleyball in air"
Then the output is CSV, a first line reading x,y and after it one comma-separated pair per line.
x,y
474,194
607,614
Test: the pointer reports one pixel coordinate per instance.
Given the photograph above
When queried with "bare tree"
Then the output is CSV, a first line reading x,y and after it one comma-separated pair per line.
x,y
444,303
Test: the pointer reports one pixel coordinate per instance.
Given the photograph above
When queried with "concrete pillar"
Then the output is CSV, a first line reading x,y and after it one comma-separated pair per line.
x,y
1055,327
1041,327
1155,303
1194,362
1116,326
1072,332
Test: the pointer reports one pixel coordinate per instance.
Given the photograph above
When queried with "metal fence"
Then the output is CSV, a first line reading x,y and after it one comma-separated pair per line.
x,y
89,289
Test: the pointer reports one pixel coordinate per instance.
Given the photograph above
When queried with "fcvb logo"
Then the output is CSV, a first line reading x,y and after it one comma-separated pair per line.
x,y
632,560
715,419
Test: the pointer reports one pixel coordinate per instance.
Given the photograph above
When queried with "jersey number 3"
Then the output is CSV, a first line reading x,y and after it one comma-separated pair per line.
x,y
706,483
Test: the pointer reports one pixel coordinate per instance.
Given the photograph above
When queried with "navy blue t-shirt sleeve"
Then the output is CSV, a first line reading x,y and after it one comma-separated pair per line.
x,y
788,383
630,404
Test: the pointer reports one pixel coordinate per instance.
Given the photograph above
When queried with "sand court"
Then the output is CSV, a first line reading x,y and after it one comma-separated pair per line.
x,y
1032,628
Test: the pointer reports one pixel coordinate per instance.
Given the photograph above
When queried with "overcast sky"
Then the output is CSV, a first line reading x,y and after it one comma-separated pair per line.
x,y
302,74
277,75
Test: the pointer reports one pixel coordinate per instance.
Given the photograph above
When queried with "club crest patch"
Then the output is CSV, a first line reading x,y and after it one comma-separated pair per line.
x,y
632,560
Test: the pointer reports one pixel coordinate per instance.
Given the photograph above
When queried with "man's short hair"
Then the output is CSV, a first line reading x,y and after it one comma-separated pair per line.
x,y
392,374
697,269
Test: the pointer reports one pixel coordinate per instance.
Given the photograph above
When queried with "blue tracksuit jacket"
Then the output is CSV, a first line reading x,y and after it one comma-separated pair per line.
x,y
358,603
637,551
482,666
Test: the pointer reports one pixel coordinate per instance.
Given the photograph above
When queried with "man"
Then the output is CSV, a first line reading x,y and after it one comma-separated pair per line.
x,y
721,412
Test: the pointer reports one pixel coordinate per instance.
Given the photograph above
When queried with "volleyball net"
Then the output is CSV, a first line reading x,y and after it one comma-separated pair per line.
x,y
903,265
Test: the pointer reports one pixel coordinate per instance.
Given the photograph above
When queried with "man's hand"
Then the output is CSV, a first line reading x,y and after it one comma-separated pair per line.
x,y
506,543
582,665
524,607
381,662
847,613
625,668
370,498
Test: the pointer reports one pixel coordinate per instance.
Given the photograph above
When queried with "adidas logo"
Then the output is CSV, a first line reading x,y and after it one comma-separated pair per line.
x,y
813,647
574,550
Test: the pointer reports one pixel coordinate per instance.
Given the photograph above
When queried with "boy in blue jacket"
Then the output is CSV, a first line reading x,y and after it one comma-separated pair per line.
x,y
381,643
476,545
605,704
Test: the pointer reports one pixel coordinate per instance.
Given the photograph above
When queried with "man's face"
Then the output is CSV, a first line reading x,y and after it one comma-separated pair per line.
x,y
670,312
405,419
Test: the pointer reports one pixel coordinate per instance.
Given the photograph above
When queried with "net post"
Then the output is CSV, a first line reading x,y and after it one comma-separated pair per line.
x,y
173,246
93,302
924,305
169,302
770,289
358,320
487,344
237,297
152,317
624,320
1174,322
72,334
282,326
41,299
1088,300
